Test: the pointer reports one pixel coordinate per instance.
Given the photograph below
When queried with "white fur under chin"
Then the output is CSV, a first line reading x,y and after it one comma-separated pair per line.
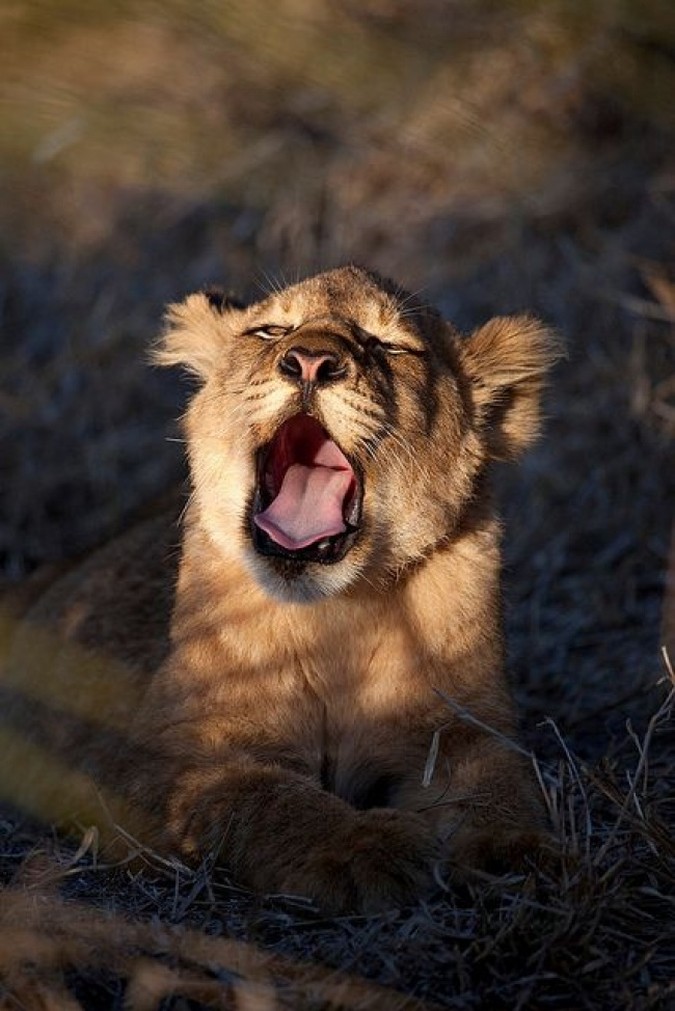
x,y
222,517
316,583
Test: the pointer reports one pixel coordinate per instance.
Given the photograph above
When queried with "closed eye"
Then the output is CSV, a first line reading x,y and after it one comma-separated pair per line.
x,y
393,349
269,331
372,343
397,349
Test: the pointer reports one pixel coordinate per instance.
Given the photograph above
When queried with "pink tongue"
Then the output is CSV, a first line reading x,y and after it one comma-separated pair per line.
x,y
308,506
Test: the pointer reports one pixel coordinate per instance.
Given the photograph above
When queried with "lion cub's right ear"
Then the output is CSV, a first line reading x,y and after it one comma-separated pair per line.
x,y
195,332
507,361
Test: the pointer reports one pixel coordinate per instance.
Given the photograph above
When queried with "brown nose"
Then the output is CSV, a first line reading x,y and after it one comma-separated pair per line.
x,y
311,366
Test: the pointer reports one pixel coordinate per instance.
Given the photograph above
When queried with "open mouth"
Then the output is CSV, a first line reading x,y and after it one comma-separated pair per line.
x,y
308,500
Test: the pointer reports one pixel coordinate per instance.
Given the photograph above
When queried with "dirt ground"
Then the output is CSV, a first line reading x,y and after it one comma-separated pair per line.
x,y
492,157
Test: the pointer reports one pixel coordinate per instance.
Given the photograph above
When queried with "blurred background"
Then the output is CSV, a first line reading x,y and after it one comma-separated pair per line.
x,y
490,156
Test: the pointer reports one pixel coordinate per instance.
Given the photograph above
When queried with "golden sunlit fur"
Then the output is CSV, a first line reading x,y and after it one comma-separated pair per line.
x,y
332,729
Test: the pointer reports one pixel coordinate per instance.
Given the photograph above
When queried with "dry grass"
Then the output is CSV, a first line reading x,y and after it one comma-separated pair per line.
x,y
593,930
498,157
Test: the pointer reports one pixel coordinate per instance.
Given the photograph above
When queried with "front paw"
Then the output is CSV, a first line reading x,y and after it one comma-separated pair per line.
x,y
383,860
501,851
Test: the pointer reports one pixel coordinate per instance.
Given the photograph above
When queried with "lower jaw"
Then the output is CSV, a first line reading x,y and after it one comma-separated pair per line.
x,y
327,551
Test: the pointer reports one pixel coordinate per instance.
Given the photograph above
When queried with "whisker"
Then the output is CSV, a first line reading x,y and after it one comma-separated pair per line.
x,y
272,288
364,407
408,296
397,439
353,412
188,503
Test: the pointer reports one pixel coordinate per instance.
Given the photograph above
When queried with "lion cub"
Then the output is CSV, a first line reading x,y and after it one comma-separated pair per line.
x,y
281,698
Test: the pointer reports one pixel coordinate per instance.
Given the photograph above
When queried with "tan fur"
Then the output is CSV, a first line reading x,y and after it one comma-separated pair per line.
x,y
296,720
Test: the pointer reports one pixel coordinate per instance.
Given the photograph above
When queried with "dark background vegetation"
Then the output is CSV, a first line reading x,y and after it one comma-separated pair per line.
x,y
493,157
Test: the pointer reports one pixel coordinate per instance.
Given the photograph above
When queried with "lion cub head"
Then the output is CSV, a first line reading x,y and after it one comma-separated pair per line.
x,y
342,428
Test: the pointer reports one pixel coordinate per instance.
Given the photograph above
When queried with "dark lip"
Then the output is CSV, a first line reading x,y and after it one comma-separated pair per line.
x,y
333,549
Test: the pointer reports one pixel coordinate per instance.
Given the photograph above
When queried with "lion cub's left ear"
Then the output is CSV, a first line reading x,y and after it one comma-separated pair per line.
x,y
196,331
506,362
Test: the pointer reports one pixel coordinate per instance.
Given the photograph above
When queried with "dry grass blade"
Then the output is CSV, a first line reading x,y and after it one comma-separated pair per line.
x,y
40,935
